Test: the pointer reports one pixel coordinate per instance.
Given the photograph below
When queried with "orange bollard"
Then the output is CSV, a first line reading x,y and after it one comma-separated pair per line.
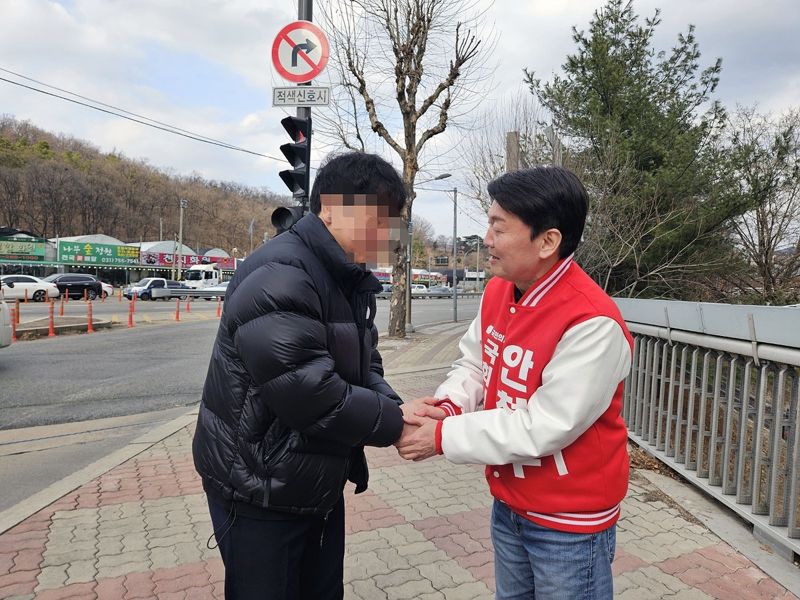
x,y
130,315
16,312
102,297
26,296
219,307
66,296
61,307
85,294
90,327
120,294
133,301
178,310
51,330
188,309
13,325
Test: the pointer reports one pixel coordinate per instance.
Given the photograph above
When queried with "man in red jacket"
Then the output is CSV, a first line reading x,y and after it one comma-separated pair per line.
x,y
546,357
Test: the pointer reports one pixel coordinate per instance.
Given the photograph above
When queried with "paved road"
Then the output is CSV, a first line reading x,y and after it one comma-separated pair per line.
x,y
68,401
124,371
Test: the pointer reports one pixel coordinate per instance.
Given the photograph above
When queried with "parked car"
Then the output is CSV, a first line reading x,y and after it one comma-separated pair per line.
x,y
386,292
418,290
174,289
107,288
5,316
440,291
75,285
29,286
153,288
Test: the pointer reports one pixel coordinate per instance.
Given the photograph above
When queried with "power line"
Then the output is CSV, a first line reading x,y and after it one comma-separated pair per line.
x,y
153,123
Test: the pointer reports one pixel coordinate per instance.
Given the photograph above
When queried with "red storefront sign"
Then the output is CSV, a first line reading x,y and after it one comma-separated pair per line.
x,y
163,259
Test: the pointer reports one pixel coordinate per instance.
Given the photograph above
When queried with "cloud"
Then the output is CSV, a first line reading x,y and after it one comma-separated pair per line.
x,y
205,66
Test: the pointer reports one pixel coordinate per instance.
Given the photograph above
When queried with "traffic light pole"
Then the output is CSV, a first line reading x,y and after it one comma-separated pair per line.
x,y
305,12
298,153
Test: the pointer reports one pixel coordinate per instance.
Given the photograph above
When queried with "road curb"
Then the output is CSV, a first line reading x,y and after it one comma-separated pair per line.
x,y
30,506
35,331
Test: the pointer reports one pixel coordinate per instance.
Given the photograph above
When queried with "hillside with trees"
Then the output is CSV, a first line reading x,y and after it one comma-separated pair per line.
x,y
53,185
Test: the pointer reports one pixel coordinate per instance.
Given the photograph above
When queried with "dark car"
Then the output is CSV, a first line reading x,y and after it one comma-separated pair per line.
x,y
386,292
76,285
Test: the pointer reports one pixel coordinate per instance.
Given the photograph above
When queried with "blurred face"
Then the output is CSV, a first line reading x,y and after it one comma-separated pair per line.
x,y
513,255
364,229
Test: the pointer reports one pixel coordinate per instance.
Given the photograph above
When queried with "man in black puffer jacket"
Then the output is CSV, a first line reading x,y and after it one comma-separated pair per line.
x,y
295,389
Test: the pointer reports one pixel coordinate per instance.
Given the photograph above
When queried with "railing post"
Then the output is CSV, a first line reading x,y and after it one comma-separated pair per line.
x,y
730,456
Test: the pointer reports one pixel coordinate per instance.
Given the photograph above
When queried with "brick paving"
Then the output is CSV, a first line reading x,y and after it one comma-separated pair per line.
x,y
420,532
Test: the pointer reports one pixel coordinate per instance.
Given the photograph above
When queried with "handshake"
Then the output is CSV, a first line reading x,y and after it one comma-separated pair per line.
x,y
418,440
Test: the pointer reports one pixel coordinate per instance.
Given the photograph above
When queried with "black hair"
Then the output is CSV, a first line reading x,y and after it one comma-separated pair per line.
x,y
359,173
545,198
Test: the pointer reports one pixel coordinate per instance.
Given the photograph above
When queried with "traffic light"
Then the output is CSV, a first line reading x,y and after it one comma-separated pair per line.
x,y
298,153
284,217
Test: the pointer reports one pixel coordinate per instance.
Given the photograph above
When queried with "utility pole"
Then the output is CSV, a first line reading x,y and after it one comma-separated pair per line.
x,y
305,12
512,151
455,253
184,204
160,229
478,265
555,143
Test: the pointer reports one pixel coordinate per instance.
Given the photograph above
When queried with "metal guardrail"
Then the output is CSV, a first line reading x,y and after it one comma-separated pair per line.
x,y
418,296
724,413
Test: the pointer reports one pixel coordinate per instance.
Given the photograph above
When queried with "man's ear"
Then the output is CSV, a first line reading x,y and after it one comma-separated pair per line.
x,y
325,214
550,242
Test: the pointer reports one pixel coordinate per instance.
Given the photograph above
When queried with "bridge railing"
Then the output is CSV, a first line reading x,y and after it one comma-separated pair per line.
x,y
713,393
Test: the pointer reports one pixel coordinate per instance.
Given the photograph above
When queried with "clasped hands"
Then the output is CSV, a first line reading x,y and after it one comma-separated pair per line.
x,y
418,440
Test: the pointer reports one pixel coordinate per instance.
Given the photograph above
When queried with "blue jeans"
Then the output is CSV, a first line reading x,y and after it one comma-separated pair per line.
x,y
534,562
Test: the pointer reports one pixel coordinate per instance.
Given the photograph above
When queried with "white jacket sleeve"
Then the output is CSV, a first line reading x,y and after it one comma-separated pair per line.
x,y
464,384
577,387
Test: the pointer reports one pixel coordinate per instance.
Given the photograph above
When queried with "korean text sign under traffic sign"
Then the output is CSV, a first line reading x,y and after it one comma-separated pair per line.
x,y
301,96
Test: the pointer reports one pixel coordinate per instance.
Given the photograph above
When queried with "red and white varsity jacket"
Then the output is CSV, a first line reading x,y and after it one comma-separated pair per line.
x,y
548,370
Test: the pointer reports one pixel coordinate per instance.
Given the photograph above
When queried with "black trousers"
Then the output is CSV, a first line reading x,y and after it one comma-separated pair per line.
x,y
287,559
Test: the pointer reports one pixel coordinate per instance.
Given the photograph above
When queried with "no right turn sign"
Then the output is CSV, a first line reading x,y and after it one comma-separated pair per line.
x,y
300,51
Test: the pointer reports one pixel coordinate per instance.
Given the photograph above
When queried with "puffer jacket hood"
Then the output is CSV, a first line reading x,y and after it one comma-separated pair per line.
x,y
295,386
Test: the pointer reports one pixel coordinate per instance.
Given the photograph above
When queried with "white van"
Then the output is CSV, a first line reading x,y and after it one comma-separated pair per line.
x,y
202,276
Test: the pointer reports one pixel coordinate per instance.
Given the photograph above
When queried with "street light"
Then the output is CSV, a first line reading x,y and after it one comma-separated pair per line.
x,y
408,256
455,253
184,204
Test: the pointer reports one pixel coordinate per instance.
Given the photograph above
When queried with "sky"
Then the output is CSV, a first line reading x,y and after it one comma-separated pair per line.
x,y
204,66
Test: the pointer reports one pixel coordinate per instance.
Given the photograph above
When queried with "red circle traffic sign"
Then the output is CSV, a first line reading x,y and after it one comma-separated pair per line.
x,y
300,51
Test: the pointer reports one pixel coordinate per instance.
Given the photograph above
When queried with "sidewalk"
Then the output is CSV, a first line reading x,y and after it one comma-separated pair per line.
x,y
137,526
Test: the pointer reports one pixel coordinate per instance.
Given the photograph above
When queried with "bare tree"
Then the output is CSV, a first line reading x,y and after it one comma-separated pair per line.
x,y
405,70
763,172
484,152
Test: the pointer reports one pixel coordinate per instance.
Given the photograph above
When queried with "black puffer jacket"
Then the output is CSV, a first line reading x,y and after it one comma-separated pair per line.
x,y
295,387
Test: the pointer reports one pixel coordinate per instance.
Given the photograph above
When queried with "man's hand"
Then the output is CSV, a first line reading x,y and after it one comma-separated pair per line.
x,y
423,407
420,442
406,434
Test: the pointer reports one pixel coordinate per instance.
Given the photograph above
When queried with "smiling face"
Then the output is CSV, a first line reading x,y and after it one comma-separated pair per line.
x,y
362,226
513,255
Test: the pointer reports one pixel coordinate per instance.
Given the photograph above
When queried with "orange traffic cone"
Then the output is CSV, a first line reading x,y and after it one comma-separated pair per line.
x,y
51,330
89,327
